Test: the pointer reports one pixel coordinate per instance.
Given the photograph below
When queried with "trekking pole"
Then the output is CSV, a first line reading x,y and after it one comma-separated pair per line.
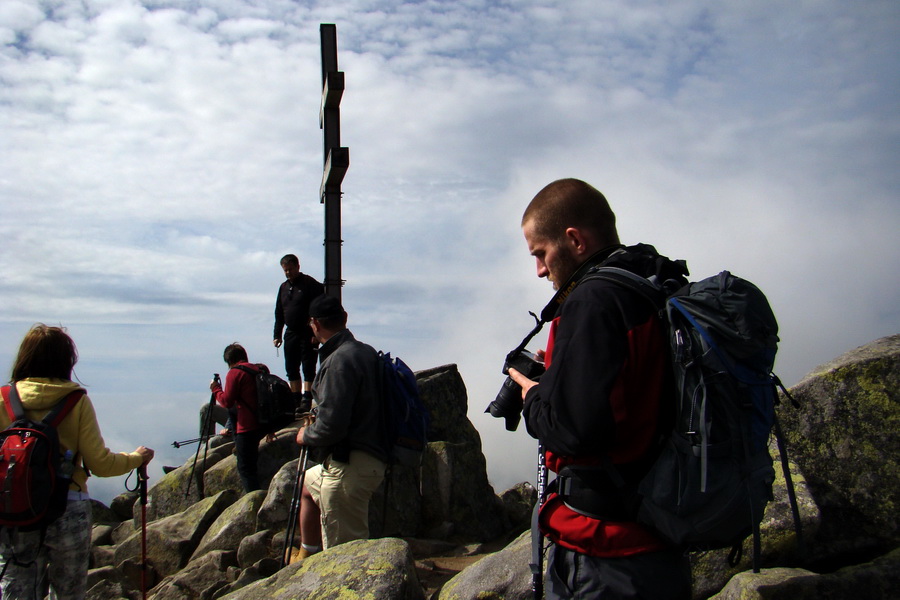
x,y
204,431
189,442
294,512
537,539
142,480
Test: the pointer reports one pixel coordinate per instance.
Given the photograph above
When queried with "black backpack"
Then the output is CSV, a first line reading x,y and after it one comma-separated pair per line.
x,y
274,400
713,477
34,488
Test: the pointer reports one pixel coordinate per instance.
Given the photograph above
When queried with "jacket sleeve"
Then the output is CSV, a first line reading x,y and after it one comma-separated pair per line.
x,y
96,456
570,410
279,316
230,395
335,397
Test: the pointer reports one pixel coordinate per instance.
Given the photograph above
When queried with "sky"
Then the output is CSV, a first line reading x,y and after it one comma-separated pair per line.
x,y
158,157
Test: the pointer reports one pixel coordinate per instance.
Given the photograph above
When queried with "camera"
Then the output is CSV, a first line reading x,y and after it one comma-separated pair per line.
x,y
508,403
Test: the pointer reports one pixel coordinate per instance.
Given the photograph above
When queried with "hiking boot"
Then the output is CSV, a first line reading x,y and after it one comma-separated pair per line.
x,y
298,554
304,403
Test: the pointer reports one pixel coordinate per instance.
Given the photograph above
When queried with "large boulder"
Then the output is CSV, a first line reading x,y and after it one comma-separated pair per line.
x,y
844,437
504,574
200,579
457,499
711,570
171,541
234,524
180,489
361,569
272,457
273,513
877,580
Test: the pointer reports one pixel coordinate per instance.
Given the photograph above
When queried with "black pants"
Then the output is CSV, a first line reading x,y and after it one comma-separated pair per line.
x,y
246,447
655,576
299,352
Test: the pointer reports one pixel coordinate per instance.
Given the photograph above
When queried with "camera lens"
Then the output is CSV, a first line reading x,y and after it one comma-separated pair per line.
x,y
507,404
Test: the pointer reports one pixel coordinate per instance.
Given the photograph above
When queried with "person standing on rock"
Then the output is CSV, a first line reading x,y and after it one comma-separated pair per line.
x,y
41,376
240,394
292,311
598,403
347,435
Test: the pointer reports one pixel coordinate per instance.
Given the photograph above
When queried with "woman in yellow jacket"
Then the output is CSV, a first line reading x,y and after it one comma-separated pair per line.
x,y
42,375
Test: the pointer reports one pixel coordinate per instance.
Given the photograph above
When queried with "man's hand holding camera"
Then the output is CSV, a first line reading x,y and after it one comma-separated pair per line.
x,y
524,382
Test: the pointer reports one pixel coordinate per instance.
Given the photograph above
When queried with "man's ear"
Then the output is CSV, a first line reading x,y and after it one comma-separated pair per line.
x,y
577,240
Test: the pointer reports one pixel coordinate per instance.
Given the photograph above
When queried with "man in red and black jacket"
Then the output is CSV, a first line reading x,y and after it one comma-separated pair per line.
x,y
599,407
240,393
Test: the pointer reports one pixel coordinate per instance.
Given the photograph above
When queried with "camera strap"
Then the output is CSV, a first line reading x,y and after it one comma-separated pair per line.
x,y
549,312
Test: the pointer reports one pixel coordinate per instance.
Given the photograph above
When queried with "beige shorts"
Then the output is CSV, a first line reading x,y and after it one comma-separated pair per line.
x,y
342,492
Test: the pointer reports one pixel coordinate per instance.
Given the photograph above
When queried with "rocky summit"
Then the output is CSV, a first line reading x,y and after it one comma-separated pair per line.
x,y
440,532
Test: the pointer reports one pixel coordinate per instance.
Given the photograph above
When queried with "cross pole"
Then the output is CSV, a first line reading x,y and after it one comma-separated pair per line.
x,y
336,158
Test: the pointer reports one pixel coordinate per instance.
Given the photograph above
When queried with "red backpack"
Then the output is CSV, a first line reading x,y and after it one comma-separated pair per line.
x,y
33,488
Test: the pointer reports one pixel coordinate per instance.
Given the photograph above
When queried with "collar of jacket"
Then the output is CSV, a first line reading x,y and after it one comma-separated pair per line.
x,y
333,343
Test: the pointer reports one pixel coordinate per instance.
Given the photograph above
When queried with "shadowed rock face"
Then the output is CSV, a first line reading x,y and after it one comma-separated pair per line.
x,y
844,438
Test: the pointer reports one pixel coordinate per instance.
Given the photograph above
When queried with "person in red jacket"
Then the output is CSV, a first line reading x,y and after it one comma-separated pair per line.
x,y
240,392
597,409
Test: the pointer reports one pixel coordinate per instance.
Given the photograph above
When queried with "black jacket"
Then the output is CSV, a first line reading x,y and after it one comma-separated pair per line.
x,y
292,304
602,392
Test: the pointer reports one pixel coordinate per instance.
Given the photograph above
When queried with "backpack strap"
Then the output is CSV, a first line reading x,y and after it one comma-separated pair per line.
x,y
250,371
63,408
13,405
60,410
643,286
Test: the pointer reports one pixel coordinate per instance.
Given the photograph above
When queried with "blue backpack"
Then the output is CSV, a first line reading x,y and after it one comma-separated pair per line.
x,y
406,417
713,476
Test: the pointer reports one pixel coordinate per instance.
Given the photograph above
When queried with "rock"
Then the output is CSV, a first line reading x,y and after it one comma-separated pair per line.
x,y
112,582
171,541
102,514
466,501
399,514
711,570
504,574
234,524
273,513
259,570
877,580
844,437
519,501
179,489
272,457
122,505
102,556
111,590
101,535
361,569
202,577
123,531
444,394
256,547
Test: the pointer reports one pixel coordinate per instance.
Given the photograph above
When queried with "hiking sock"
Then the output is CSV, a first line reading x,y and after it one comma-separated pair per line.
x,y
311,549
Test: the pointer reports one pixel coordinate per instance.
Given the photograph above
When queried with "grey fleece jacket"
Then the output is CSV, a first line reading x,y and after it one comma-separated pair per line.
x,y
347,392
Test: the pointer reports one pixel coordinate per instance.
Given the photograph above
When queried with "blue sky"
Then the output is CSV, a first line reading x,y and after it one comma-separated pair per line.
x,y
157,158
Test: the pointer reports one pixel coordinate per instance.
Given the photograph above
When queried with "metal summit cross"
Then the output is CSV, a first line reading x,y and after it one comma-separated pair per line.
x,y
337,158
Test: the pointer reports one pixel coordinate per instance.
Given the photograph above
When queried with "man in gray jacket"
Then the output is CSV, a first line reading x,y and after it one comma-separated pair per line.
x,y
347,435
